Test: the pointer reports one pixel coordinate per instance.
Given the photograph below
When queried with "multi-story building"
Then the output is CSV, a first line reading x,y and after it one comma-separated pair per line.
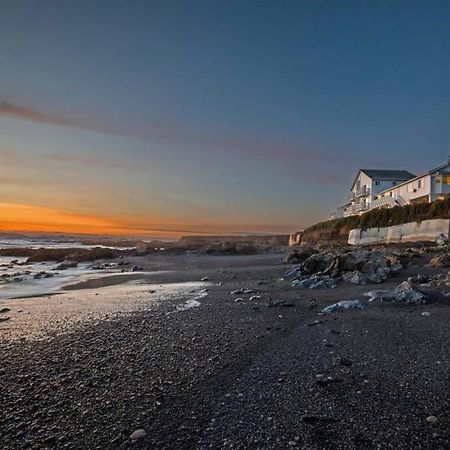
x,y
365,188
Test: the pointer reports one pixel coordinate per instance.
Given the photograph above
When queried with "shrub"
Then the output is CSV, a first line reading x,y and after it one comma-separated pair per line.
x,y
376,218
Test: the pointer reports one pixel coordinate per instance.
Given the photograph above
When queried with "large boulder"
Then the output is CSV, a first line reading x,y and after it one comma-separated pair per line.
x,y
315,263
298,254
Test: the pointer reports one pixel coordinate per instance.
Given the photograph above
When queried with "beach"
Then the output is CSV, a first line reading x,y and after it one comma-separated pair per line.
x,y
195,366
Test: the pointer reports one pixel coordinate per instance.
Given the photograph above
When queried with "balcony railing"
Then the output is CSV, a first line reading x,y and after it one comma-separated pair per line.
x,y
356,209
384,202
388,202
362,192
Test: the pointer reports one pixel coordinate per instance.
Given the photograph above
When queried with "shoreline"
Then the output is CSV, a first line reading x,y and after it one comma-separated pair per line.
x,y
237,374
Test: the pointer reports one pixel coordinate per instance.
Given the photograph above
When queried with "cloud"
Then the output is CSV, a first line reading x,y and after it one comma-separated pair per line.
x,y
92,161
21,112
9,156
295,150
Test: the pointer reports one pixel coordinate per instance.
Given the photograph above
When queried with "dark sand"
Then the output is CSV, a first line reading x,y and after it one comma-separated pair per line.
x,y
228,374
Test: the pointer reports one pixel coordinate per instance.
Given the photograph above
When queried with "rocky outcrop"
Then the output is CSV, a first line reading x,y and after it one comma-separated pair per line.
x,y
72,255
326,269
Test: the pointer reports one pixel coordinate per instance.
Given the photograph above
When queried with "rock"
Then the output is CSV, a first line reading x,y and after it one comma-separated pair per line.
x,y
419,279
432,419
440,261
442,240
358,267
355,278
403,293
239,300
324,283
66,265
204,279
299,254
4,310
315,263
4,319
43,274
243,291
426,314
281,304
343,304
136,269
254,297
315,282
138,434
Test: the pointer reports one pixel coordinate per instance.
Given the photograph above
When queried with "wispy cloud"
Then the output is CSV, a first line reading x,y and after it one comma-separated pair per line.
x,y
21,112
92,161
295,150
8,156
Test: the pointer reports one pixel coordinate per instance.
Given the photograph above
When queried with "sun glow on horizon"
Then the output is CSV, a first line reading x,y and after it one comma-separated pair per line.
x,y
15,217
30,218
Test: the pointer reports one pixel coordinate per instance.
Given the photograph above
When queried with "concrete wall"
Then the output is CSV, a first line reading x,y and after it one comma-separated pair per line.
x,y
427,230
295,239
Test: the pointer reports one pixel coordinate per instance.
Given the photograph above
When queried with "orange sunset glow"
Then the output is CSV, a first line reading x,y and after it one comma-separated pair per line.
x,y
36,218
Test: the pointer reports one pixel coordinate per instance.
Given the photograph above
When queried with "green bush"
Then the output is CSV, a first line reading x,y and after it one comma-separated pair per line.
x,y
386,217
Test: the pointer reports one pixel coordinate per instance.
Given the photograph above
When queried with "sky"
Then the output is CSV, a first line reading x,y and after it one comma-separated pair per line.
x,y
164,118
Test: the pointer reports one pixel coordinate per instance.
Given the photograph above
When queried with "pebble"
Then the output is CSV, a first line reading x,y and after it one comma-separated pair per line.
x,y
432,419
426,314
4,310
138,434
204,279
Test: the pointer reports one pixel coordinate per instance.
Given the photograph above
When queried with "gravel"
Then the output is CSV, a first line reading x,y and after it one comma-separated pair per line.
x,y
236,375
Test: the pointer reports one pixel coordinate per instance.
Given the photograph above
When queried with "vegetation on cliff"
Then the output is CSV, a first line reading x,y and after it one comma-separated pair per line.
x,y
337,229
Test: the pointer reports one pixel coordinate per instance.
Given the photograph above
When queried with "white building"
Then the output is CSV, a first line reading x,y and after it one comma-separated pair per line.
x,y
424,188
366,186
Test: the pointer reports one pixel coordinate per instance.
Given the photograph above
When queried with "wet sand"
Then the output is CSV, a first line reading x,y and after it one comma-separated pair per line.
x,y
227,374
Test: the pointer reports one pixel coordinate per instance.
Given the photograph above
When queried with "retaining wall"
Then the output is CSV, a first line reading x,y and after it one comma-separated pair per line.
x,y
427,230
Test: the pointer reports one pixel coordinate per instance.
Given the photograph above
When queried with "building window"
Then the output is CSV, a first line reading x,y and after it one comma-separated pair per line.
x,y
446,179
377,183
419,184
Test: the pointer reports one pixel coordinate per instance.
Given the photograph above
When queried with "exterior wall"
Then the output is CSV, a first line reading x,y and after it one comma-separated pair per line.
x,y
358,201
440,184
295,239
434,185
427,230
411,190
383,185
361,203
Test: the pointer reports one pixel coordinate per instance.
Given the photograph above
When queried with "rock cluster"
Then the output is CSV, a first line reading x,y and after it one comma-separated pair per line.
x,y
403,293
324,270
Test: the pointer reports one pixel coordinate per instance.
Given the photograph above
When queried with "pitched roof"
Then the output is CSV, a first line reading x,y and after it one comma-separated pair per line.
x,y
381,174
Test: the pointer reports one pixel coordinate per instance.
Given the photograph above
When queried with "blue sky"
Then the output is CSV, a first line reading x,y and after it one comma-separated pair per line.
x,y
216,116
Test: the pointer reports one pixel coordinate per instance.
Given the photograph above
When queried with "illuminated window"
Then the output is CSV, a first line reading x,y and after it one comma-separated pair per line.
x,y
446,179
